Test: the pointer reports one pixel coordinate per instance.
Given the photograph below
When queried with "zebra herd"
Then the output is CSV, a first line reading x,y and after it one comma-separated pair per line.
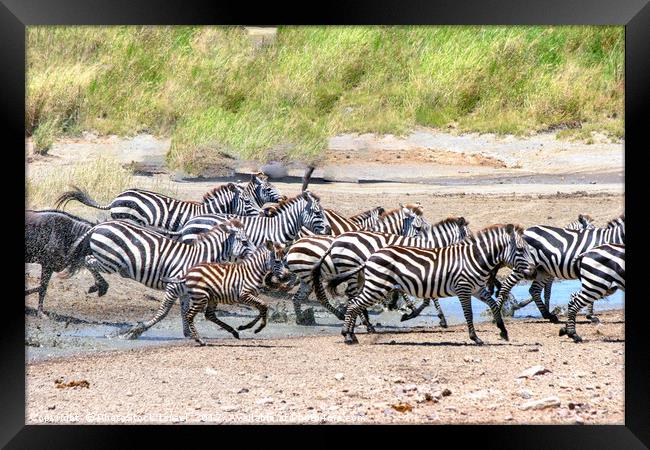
x,y
232,244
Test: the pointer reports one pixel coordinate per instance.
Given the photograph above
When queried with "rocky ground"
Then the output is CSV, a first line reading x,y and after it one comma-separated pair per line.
x,y
423,376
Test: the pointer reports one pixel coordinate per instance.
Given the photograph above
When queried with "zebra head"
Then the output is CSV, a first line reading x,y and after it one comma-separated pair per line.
x,y
413,224
313,215
263,191
584,222
277,262
241,247
517,252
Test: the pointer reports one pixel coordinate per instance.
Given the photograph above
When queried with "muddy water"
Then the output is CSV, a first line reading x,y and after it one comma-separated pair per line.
x,y
61,336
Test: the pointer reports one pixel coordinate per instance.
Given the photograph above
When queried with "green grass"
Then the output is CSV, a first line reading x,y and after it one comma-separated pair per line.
x,y
212,90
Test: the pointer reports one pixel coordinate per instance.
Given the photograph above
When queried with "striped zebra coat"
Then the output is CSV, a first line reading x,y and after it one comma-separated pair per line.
x,y
583,222
457,270
339,224
555,251
148,257
350,251
601,271
283,226
166,213
207,285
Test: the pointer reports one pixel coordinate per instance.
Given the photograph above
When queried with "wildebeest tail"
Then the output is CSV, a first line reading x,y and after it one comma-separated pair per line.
x,y
80,196
76,256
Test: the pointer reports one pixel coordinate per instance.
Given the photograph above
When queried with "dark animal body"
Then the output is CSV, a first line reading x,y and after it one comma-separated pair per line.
x,y
49,235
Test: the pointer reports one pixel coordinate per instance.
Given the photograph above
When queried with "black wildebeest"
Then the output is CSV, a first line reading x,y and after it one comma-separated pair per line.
x,y
49,235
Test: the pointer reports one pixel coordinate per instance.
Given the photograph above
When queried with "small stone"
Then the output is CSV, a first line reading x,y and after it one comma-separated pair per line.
x,y
398,380
264,401
339,376
129,394
446,393
50,407
242,391
579,420
524,393
508,417
532,371
409,388
211,371
548,402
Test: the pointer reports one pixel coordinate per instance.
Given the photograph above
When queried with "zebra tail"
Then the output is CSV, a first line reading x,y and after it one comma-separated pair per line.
x,y
333,283
75,259
80,196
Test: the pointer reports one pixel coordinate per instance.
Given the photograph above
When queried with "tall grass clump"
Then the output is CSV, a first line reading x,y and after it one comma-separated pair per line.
x,y
103,178
216,93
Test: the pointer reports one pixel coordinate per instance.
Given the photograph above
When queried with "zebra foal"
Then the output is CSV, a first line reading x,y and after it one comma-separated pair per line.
x,y
207,285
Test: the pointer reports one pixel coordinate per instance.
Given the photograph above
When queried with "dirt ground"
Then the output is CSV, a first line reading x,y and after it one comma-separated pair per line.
x,y
423,376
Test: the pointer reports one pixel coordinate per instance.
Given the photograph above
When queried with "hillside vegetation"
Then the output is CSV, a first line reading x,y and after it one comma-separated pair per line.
x,y
213,91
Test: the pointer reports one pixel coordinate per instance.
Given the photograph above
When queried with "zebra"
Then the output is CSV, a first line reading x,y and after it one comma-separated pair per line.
x,y
407,220
148,257
584,221
601,271
350,250
261,191
457,270
208,284
283,226
555,251
152,209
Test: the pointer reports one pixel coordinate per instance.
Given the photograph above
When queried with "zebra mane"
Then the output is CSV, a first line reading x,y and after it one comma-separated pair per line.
x,y
366,214
460,221
518,228
286,203
416,208
64,213
214,191
586,217
615,221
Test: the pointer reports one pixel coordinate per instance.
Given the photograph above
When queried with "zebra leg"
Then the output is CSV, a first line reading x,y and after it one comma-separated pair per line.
x,y
394,296
137,330
185,304
366,321
536,290
590,314
465,298
46,274
196,306
100,286
441,314
351,313
576,303
303,293
322,299
506,287
415,311
212,316
496,313
548,284
250,299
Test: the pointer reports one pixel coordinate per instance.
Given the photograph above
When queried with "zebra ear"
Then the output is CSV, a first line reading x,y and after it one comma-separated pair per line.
x,y
269,245
462,222
510,228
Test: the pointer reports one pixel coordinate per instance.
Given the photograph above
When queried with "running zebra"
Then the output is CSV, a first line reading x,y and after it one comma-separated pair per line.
x,y
583,222
555,251
161,212
148,257
457,270
601,271
207,285
283,226
350,251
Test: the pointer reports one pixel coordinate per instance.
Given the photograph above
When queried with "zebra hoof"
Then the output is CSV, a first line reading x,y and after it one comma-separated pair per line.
x,y
553,318
593,319
443,323
102,290
577,339
504,335
201,342
235,334
371,329
406,317
351,339
477,341
260,328
92,289
563,331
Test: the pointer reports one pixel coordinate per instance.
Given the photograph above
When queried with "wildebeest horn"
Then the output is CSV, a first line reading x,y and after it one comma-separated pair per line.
x,y
307,177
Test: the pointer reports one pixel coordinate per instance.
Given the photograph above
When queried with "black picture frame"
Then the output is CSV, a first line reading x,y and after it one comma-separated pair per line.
x,y
15,15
